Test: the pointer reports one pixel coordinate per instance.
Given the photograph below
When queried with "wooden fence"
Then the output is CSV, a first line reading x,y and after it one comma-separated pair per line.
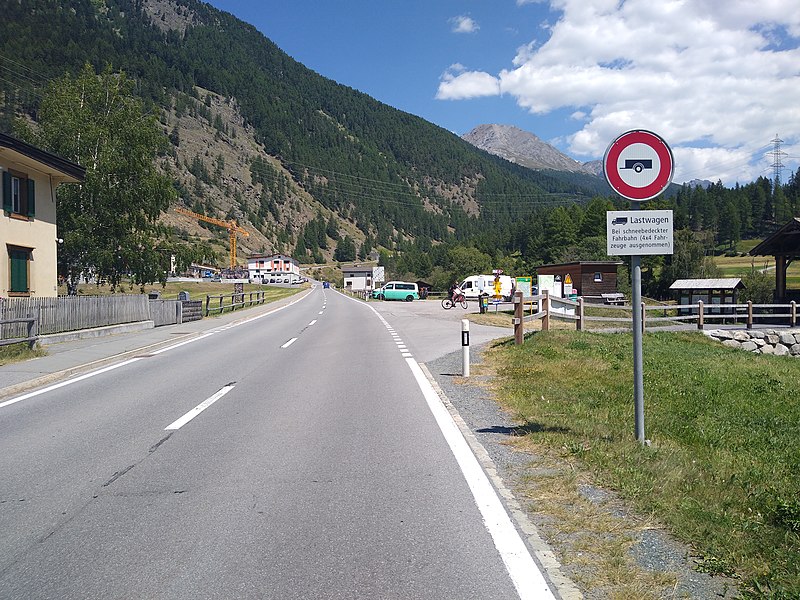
x,y
70,313
24,319
545,307
233,301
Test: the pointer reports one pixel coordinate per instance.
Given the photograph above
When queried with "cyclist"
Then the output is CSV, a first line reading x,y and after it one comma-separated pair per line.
x,y
455,292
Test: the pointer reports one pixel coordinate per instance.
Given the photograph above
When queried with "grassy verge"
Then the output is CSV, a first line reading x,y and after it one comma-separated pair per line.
x,y
197,290
19,352
721,472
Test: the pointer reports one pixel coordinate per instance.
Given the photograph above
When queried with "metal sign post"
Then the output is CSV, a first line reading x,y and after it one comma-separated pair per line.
x,y
639,166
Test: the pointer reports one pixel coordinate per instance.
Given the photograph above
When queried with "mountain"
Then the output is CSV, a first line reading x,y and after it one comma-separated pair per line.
x,y
523,148
260,138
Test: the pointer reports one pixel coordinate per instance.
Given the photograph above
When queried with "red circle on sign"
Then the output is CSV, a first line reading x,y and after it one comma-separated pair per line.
x,y
611,165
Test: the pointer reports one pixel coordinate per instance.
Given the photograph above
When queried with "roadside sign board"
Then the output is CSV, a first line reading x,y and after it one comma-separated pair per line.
x,y
638,165
525,285
639,232
378,274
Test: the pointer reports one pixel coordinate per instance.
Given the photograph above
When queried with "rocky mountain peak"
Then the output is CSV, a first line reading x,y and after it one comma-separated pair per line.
x,y
523,148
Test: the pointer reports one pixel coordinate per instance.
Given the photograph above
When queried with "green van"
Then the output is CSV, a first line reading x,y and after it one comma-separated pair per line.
x,y
397,290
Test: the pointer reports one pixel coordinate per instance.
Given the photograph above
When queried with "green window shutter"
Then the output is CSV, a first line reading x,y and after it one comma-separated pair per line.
x,y
6,191
31,198
19,270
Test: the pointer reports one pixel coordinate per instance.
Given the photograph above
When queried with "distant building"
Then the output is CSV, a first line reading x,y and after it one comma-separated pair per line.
x,y
358,279
28,224
590,279
265,267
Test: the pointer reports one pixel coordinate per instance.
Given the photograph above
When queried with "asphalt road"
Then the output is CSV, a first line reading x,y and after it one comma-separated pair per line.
x,y
295,455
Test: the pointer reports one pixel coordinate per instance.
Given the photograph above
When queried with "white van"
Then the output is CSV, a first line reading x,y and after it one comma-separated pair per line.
x,y
475,285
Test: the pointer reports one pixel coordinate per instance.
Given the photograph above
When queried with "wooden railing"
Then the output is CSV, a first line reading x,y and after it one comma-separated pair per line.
x,y
234,301
27,335
545,307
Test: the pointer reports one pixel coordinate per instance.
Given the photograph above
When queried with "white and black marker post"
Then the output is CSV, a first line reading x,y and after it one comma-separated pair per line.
x,y
639,166
465,347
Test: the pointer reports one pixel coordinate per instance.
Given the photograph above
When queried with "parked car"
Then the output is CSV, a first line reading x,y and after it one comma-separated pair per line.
x,y
397,290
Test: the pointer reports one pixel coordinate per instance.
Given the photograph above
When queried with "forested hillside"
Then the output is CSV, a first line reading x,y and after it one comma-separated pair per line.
x,y
321,170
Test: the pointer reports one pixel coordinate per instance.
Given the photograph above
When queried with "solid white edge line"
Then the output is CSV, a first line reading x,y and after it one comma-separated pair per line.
x,y
523,570
289,343
177,424
520,565
50,388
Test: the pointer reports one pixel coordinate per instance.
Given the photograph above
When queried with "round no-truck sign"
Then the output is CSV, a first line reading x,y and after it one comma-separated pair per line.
x,y
638,165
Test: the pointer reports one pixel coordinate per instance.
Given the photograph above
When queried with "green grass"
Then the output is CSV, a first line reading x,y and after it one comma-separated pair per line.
x,y
19,352
197,290
722,470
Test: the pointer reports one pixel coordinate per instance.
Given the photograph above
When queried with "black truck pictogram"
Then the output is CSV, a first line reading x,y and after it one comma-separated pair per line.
x,y
638,164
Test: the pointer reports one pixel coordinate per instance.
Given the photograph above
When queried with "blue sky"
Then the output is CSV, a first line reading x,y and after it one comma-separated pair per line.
x,y
717,80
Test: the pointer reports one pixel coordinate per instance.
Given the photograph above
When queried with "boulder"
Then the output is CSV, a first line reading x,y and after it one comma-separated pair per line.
x,y
749,346
731,343
781,350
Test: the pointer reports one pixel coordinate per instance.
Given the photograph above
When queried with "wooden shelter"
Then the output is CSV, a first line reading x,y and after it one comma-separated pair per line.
x,y
784,245
712,292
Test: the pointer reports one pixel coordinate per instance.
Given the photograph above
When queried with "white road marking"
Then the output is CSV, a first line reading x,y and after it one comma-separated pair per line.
x,y
312,322
289,343
67,382
175,425
524,572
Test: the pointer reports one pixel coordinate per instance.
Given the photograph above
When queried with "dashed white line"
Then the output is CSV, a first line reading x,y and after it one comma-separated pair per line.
x,y
289,343
312,322
177,424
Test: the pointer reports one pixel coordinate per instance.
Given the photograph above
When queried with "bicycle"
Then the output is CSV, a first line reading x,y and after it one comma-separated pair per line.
x,y
449,303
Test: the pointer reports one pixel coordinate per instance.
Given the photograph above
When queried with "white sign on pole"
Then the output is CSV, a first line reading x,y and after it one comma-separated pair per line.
x,y
378,274
638,232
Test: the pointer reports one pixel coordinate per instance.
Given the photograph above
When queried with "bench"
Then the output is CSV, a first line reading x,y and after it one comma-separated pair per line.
x,y
614,298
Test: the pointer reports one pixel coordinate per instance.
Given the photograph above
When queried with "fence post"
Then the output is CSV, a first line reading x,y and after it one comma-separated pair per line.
x,y
749,314
579,322
32,330
519,324
208,301
546,307
700,314
794,313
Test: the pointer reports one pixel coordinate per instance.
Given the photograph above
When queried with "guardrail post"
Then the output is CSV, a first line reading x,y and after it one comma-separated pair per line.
x,y
700,314
546,307
749,314
579,322
519,324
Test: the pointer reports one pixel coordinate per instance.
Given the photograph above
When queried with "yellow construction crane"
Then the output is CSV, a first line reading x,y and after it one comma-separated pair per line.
x,y
231,226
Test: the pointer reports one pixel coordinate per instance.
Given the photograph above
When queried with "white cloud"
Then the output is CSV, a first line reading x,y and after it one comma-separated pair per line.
x,y
458,84
716,79
464,24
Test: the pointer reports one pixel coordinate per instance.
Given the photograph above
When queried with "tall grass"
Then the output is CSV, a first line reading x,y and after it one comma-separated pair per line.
x,y
723,468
